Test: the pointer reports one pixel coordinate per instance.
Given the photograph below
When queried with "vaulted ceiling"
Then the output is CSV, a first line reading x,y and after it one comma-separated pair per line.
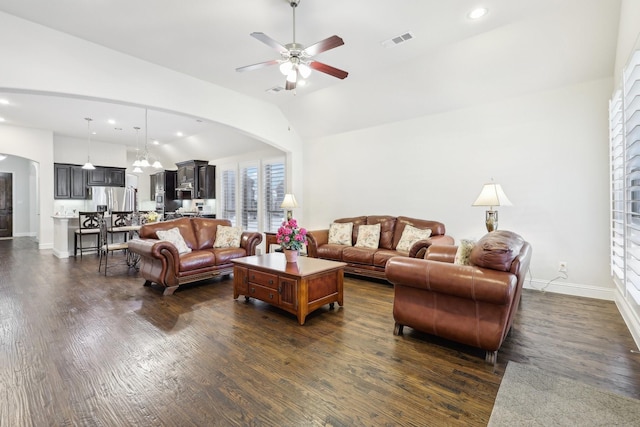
x,y
451,62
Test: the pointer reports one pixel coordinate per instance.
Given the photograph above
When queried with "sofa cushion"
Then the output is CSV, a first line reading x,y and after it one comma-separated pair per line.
x,y
381,256
464,252
358,255
497,250
357,222
340,233
333,252
149,231
205,230
174,237
387,229
437,228
227,237
196,260
411,235
225,255
368,236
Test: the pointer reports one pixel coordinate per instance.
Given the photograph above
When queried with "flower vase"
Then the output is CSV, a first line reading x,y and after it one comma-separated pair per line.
x,y
290,255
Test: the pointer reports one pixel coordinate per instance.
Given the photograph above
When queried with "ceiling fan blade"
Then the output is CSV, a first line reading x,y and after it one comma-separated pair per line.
x,y
324,45
269,41
258,65
328,69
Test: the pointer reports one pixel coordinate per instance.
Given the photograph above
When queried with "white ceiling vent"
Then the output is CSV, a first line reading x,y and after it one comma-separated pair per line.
x,y
394,41
274,89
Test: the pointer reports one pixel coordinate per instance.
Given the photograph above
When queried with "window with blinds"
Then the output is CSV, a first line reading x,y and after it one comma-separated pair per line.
x,y
228,199
274,187
624,127
249,197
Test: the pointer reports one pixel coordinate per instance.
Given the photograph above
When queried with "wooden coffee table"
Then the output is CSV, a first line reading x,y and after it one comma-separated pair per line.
x,y
298,288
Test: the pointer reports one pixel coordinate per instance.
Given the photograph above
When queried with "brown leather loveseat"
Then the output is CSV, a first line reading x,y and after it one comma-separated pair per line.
x,y
471,304
161,262
371,262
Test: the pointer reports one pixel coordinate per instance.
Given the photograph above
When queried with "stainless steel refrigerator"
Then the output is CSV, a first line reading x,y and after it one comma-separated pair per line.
x,y
109,199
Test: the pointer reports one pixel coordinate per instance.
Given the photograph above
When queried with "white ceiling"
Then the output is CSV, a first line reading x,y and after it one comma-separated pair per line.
x,y
521,46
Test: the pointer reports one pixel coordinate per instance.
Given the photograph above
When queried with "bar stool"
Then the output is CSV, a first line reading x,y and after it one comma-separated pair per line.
x,y
88,224
120,222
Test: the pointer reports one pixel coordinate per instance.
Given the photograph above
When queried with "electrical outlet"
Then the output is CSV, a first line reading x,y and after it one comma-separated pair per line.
x,y
562,266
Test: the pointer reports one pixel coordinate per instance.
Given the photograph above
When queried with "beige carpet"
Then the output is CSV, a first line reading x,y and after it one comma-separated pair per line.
x,y
529,396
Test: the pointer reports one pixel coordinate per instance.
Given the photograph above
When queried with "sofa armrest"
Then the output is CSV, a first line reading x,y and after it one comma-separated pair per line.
x,y
315,239
442,253
155,250
249,241
419,249
463,281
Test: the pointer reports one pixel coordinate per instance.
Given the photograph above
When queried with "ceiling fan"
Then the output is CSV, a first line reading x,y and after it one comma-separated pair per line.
x,y
296,61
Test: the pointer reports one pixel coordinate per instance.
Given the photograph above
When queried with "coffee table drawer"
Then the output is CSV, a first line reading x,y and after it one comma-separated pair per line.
x,y
263,279
262,293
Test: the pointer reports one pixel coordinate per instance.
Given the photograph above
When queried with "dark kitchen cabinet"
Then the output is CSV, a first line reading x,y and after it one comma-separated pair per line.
x,y
198,177
163,182
70,182
107,177
207,182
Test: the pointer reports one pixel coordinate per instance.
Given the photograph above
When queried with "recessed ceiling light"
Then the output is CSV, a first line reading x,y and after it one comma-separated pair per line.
x,y
156,142
4,102
111,122
478,13
1,119
178,133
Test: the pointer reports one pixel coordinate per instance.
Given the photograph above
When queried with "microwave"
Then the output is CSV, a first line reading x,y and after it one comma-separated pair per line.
x,y
185,193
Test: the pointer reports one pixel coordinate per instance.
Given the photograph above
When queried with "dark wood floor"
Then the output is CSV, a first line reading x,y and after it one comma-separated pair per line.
x,y
77,348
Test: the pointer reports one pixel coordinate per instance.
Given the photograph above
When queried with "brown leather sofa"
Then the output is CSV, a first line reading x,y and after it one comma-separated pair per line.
x,y
371,262
471,304
161,263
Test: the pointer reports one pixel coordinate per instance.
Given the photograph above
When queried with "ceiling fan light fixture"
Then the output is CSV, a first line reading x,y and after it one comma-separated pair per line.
x,y
292,77
286,67
304,70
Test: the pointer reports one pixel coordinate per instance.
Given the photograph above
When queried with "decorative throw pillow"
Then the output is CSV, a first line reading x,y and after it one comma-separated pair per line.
x,y
340,233
227,237
173,236
368,236
464,252
410,235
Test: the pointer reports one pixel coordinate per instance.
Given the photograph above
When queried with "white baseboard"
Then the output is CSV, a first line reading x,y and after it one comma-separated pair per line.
x,y
575,289
630,317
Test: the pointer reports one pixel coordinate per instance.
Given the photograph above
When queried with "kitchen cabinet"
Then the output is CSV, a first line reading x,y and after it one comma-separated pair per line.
x,y
107,177
197,177
70,182
206,182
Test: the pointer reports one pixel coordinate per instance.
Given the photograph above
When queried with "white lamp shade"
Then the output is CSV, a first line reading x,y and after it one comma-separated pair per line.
x,y
289,202
492,195
88,166
305,70
286,67
137,169
144,163
157,164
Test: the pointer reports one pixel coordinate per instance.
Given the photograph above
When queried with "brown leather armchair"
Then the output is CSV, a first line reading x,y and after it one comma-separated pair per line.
x,y
471,304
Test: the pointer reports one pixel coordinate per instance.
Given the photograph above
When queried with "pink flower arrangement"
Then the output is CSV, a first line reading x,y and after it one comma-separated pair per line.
x,y
290,236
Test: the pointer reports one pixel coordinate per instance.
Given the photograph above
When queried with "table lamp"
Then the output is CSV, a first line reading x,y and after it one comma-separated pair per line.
x,y
492,195
289,203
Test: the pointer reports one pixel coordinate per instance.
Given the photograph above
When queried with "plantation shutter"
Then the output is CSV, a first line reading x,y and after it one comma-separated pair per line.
x,y
249,199
631,103
274,188
228,199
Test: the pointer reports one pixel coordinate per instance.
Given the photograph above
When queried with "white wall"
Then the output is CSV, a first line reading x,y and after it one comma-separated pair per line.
x,y
549,151
74,150
20,169
36,145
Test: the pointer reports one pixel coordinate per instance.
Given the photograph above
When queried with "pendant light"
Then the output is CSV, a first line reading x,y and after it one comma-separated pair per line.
x,y
156,164
136,164
88,165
